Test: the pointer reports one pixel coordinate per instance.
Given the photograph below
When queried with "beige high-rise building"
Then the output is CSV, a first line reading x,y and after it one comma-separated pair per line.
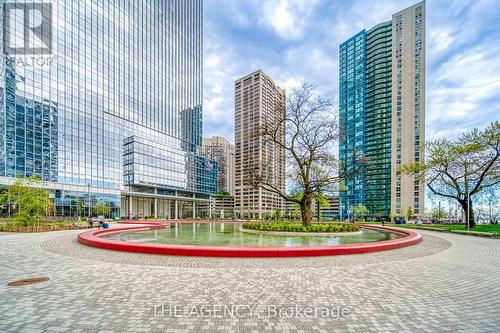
x,y
220,149
408,107
258,101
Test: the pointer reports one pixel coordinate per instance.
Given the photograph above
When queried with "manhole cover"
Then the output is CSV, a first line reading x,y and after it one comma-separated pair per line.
x,y
27,282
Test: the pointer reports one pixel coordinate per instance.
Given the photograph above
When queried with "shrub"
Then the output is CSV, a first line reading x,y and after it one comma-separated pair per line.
x,y
16,226
101,208
294,227
30,199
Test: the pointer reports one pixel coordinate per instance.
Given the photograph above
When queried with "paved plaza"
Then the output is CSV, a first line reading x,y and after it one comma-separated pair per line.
x,y
447,283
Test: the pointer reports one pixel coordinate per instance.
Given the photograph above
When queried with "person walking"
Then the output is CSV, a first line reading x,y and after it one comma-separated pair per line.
x,y
100,218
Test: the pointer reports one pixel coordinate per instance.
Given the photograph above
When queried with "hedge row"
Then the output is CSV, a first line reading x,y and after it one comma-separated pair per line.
x,y
294,227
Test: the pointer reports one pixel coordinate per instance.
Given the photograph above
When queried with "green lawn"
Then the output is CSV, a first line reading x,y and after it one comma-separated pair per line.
x,y
495,228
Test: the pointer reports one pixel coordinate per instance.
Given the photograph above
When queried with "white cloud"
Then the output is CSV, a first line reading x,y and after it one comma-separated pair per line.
x,y
216,88
213,103
460,94
212,61
290,83
287,18
311,63
441,39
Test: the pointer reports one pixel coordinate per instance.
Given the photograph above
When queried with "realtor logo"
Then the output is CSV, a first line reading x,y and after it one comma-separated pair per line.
x,y
209,165
27,28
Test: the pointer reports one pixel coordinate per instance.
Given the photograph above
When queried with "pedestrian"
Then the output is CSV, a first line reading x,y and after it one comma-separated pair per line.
x,y
100,218
91,222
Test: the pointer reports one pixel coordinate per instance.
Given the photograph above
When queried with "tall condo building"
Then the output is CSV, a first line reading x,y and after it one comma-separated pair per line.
x,y
221,150
258,101
107,106
382,114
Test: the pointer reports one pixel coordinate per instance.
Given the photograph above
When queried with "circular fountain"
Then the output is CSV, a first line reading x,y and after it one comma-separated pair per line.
x,y
226,239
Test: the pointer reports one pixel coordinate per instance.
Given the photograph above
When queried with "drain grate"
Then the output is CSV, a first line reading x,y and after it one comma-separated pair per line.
x,y
27,282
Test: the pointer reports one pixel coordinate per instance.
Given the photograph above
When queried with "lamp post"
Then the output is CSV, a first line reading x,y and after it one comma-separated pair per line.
x,y
340,208
468,210
88,194
348,205
8,191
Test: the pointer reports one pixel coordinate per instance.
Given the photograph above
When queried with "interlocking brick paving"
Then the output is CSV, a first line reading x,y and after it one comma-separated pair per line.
x,y
447,283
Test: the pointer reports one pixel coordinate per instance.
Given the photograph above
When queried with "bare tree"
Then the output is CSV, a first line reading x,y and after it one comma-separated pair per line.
x,y
307,133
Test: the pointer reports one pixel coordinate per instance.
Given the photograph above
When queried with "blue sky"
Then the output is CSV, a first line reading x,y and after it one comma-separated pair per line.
x,y
296,41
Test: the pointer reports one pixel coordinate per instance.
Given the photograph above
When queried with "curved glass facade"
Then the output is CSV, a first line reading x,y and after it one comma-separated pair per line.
x,y
378,119
119,70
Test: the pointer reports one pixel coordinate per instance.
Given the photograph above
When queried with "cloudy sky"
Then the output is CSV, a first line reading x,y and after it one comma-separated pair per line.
x,y
297,40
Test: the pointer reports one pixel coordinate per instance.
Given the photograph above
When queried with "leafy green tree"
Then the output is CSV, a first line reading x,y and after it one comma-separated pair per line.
x,y
80,206
222,195
31,200
101,208
491,198
320,200
409,214
341,188
361,211
294,211
461,169
438,214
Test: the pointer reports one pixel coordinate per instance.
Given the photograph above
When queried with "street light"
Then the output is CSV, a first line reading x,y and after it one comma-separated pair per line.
x,y
468,210
88,194
348,205
8,193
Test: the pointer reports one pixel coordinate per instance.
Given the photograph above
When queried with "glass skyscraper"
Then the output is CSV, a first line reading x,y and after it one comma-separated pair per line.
x,y
382,115
113,111
352,115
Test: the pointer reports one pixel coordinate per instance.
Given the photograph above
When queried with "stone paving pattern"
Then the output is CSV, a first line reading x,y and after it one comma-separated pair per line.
x,y
447,283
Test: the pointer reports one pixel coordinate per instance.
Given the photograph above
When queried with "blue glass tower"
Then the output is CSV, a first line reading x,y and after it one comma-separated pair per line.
x,y
352,114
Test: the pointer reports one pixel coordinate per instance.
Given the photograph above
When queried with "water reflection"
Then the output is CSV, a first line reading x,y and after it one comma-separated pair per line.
x,y
228,234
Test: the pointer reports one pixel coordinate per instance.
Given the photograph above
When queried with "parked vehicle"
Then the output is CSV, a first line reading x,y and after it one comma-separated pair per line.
x,y
399,220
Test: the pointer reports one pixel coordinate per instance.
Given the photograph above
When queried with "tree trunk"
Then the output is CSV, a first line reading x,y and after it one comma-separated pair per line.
x,y
469,213
306,209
